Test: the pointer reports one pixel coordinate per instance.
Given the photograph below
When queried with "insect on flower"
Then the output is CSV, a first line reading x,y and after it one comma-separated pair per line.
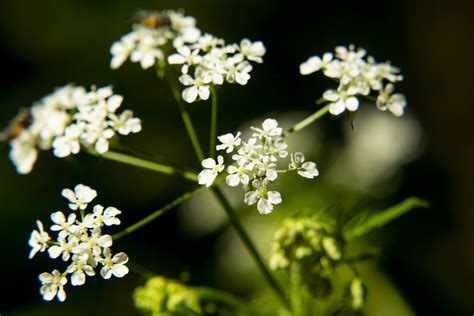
x,y
151,18
16,125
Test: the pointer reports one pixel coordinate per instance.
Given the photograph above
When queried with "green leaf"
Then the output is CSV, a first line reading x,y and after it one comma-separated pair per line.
x,y
365,222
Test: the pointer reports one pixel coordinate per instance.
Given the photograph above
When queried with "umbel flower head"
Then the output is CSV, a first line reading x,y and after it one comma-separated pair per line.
x,y
68,119
310,244
254,164
204,60
357,75
161,296
80,242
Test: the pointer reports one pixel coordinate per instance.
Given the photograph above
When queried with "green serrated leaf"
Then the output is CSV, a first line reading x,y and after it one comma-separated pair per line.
x,y
365,223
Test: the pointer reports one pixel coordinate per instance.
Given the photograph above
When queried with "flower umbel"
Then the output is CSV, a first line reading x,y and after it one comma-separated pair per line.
x,y
68,119
357,75
255,164
204,60
80,241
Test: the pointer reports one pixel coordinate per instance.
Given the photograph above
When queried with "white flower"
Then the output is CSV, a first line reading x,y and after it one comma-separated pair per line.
x,y
79,269
95,242
213,168
114,265
146,51
395,103
60,223
38,240
53,285
185,56
23,152
239,174
269,128
237,70
65,247
315,63
121,50
228,141
304,169
357,74
308,170
252,51
198,87
80,197
68,143
265,199
340,101
99,217
125,123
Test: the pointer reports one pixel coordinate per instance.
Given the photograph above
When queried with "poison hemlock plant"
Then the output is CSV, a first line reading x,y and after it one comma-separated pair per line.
x,y
307,248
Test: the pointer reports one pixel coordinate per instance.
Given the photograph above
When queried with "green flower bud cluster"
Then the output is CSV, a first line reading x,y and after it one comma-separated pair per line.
x,y
311,245
165,297
357,293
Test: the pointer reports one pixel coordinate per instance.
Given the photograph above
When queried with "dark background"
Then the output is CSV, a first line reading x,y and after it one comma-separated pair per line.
x,y
50,43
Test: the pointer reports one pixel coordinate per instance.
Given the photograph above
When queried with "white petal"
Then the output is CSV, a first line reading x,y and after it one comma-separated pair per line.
x,y
337,107
208,163
55,251
331,95
190,94
120,258
204,92
313,64
271,174
114,102
206,177
352,103
105,241
119,270
264,206
58,218
274,197
61,294
106,272
78,278
176,59
251,197
232,180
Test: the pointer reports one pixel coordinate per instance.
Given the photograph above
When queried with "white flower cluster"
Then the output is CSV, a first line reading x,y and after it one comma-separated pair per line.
x,y
212,62
146,43
80,241
204,59
357,77
68,118
255,164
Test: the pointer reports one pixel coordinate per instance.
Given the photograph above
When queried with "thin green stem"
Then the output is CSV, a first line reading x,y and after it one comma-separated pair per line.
x,y
187,121
217,296
153,215
145,164
307,121
297,295
141,271
244,237
213,133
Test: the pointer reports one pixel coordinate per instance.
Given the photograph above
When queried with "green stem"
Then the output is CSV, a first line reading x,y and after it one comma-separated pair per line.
x,y
145,164
244,237
307,121
141,271
153,215
217,296
297,301
213,133
187,121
